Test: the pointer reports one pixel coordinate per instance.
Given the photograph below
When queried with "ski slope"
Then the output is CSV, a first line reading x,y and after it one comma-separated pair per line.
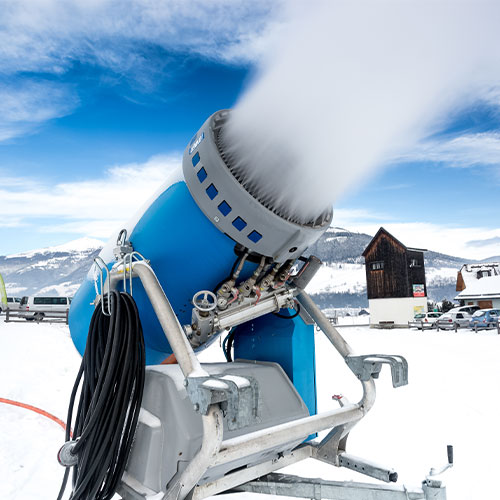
x,y
451,399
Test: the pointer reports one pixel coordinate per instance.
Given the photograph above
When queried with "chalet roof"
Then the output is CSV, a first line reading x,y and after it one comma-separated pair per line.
x,y
389,235
469,271
484,288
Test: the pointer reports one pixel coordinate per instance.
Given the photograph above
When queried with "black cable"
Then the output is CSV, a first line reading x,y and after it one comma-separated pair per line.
x,y
112,376
227,345
294,315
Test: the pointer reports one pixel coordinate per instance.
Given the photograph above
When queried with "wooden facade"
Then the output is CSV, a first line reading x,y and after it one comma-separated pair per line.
x,y
460,282
392,269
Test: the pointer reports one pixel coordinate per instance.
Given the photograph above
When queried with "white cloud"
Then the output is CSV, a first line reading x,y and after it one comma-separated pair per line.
x,y
93,207
131,40
48,35
344,217
485,242
26,103
464,151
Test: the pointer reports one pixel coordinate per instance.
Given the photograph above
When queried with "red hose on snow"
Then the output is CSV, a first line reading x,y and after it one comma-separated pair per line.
x,y
36,410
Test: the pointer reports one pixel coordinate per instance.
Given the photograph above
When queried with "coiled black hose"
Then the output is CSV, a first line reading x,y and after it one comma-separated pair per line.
x,y
113,371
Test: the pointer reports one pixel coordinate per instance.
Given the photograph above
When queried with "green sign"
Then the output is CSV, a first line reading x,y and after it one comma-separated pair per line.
x,y
3,293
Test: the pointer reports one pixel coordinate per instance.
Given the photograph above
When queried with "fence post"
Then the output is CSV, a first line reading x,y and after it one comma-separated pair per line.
x,y
456,326
475,327
7,313
67,316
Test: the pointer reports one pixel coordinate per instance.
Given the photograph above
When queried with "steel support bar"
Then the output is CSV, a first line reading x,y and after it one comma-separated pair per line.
x,y
317,489
233,479
254,442
368,468
212,439
323,322
340,344
176,337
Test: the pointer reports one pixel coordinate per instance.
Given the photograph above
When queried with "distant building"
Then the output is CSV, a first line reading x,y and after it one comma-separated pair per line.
x,y
479,285
395,279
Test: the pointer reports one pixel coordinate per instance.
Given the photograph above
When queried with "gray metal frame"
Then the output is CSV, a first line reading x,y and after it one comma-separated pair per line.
x,y
40,315
294,486
216,451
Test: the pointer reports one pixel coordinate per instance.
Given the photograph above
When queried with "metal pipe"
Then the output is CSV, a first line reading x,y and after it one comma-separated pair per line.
x,y
322,321
243,475
241,314
176,337
284,485
343,348
212,439
288,432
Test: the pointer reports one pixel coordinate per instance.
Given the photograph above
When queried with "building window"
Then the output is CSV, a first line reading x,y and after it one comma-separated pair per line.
x,y
414,263
483,274
377,266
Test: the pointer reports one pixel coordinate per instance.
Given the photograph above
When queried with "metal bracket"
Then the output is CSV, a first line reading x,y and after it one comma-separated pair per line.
x,y
238,397
369,365
123,246
101,295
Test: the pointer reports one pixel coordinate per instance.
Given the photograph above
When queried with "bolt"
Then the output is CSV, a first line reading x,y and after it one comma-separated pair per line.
x,y
196,407
216,219
185,382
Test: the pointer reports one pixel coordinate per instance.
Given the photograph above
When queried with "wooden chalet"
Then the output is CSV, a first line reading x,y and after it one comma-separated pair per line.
x,y
395,278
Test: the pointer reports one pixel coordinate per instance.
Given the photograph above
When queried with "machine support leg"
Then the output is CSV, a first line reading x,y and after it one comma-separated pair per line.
x,y
212,439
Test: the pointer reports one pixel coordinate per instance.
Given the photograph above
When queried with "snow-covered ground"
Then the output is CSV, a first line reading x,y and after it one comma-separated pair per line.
x,y
339,278
451,399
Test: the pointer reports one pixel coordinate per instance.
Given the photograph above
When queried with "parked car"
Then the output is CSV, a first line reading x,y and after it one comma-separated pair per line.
x,y
424,320
468,309
448,320
484,318
13,304
39,307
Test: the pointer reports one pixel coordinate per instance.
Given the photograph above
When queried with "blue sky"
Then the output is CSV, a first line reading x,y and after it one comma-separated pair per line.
x,y
98,101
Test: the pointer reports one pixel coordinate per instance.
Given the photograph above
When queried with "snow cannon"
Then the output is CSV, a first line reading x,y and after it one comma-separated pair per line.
x,y
207,258
191,232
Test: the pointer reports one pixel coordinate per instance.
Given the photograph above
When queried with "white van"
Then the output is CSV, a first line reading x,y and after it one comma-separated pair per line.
x,y
39,307
13,304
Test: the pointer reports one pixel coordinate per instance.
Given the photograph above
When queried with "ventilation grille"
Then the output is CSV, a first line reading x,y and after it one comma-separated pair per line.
x,y
252,188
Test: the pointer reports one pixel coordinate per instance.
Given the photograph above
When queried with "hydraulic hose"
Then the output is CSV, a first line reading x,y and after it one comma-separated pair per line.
x,y
112,377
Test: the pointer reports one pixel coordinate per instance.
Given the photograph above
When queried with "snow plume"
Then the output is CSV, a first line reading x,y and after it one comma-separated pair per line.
x,y
354,84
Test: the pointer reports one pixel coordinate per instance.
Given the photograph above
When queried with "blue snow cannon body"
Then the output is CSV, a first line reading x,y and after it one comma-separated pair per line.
x,y
191,233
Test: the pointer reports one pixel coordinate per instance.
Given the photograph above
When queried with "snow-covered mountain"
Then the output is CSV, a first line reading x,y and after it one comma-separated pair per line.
x,y
57,270
341,282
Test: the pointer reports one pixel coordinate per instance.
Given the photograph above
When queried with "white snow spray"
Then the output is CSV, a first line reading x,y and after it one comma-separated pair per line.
x,y
351,84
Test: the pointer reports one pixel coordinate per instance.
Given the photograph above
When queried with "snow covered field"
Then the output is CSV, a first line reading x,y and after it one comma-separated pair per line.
x,y
452,398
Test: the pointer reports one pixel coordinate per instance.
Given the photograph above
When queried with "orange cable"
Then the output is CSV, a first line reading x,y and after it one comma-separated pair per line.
x,y
36,410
